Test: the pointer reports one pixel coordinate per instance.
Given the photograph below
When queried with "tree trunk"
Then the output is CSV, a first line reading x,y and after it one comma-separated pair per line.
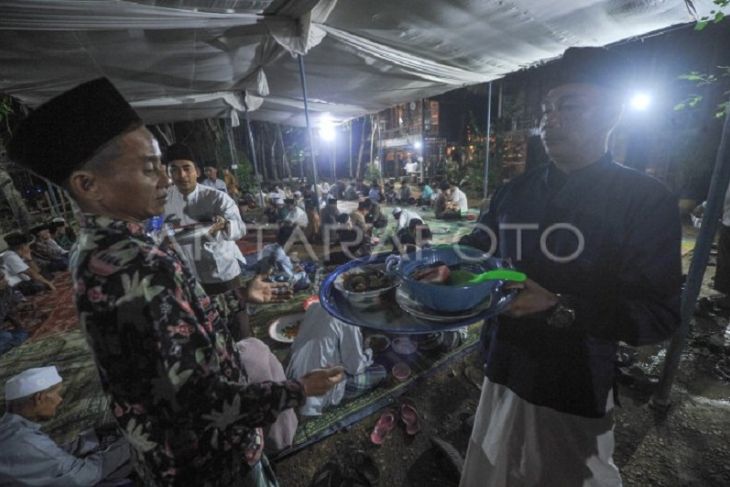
x,y
261,153
284,161
273,155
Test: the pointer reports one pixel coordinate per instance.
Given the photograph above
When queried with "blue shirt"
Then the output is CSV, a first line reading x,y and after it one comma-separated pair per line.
x,y
374,195
427,192
624,286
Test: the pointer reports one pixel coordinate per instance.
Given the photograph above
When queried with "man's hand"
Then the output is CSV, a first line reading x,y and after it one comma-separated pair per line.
x,y
531,299
319,381
260,291
219,224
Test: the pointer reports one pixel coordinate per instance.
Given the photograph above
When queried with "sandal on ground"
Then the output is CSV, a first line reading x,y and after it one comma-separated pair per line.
x,y
385,425
409,416
330,475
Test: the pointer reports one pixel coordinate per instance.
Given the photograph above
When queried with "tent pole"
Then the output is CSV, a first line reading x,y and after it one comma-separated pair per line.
x,y
53,200
231,145
350,150
486,141
712,213
252,147
303,80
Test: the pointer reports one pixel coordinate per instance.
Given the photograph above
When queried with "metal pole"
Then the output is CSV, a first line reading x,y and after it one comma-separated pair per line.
x,y
486,142
53,200
231,145
303,80
712,213
350,151
423,137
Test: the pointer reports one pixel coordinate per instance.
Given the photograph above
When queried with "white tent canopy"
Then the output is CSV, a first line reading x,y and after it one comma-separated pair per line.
x,y
191,59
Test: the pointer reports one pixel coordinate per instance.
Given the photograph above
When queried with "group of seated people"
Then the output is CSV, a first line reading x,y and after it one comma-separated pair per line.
x,y
26,268
321,340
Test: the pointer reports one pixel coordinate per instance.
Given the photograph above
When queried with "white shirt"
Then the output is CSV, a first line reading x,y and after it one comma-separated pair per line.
x,y
323,340
459,198
297,216
411,167
216,259
14,267
405,218
217,184
30,457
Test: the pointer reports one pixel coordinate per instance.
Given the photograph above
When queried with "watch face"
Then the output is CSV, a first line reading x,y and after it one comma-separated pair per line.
x,y
562,317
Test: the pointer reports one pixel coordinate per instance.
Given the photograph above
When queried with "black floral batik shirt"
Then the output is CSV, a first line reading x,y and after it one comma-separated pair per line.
x,y
166,359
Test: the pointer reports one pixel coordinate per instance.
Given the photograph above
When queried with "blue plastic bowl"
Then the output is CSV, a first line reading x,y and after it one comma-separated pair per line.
x,y
450,299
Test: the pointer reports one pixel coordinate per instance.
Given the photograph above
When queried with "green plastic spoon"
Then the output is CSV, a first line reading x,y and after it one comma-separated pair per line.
x,y
460,277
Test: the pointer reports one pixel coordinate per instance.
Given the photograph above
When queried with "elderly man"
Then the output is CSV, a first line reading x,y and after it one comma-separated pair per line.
x,y
30,457
166,360
403,217
601,245
211,179
215,259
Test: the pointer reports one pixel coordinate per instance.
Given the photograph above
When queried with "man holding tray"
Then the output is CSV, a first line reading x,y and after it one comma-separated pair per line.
x,y
601,246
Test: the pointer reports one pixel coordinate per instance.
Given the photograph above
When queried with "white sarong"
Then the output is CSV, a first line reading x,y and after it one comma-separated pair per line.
x,y
515,443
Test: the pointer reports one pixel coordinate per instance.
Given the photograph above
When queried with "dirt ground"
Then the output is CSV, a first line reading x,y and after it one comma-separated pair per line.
x,y
689,445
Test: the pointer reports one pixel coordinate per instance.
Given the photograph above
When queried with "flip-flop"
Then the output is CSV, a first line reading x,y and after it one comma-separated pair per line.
x,y
385,425
409,416
330,475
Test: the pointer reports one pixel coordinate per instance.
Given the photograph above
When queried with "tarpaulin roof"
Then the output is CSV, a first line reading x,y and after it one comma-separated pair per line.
x,y
190,59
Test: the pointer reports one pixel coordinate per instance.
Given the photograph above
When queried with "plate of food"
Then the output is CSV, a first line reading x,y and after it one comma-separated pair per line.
x,y
285,328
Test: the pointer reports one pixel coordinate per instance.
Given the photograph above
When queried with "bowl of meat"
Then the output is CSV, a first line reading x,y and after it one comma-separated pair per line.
x,y
365,287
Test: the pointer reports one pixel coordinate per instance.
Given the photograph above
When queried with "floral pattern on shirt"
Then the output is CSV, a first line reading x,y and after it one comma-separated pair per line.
x,y
166,360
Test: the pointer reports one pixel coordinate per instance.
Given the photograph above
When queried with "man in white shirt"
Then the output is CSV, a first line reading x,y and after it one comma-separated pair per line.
x,y
216,259
404,217
458,198
30,457
324,340
20,270
295,215
211,179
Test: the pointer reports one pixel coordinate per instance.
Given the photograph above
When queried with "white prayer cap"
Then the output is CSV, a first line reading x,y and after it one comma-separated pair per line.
x,y
397,210
31,381
297,193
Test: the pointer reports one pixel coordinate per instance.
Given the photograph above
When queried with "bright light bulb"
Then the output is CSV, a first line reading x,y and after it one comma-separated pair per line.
x,y
327,128
640,101
417,145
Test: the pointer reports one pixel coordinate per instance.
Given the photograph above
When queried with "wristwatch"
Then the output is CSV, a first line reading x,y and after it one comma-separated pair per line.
x,y
562,315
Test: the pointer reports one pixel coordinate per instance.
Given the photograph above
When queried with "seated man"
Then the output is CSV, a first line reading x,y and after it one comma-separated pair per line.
x,y
417,235
274,257
404,196
62,234
22,273
351,192
374,215
49,255
443,207
458,199
211,179
324,340
328,217
426,195
404,217
295,215
30,457
12,333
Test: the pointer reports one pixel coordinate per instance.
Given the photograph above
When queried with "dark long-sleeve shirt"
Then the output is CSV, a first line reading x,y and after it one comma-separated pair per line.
x,y
166,360
624,283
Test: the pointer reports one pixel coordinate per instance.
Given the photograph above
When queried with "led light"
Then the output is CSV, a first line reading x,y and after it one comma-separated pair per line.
x,y
640,101
417,145
327,128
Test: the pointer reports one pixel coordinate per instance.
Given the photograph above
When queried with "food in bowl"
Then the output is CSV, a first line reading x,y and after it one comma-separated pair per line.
x,y
368,280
